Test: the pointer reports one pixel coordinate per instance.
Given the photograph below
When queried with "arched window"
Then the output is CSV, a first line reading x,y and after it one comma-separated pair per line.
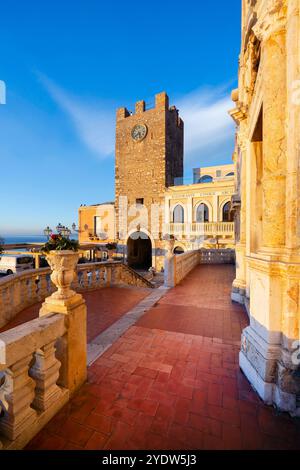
x,y
202,214
230,174
227,216
206,179
178,215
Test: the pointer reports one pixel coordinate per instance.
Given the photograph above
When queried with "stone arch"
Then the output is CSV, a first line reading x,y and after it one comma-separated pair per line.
x,y
178,214
140,249
225,215
202,212
210,210
179,249
206,179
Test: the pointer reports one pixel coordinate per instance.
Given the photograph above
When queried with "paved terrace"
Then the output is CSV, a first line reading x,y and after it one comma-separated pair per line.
x,y
172,380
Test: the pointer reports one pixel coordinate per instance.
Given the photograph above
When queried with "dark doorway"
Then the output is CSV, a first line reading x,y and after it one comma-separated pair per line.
x,y
178,250
139,251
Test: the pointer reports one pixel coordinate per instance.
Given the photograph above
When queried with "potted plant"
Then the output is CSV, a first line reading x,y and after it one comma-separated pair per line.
x,y
62,255
111,247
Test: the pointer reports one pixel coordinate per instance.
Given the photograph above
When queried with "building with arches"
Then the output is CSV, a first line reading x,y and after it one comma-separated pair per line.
x,y
150,206
199,215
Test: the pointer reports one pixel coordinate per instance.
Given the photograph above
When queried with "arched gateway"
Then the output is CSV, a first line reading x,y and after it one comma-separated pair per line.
x,y
139,251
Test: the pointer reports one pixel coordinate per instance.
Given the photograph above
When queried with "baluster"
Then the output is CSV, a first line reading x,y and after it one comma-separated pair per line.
x,y
45,372
43,286
2,309
16,396
93,279
33,289
24,292
97,277
6,303
84,279
75,282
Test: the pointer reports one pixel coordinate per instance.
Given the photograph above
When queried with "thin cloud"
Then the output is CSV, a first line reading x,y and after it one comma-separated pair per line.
x,y
209,129
94,123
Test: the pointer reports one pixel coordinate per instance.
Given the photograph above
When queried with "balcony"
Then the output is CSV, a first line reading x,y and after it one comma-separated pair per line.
x,y
202,229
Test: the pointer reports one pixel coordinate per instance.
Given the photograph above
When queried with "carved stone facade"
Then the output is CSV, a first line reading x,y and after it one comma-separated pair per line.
x,y
266,201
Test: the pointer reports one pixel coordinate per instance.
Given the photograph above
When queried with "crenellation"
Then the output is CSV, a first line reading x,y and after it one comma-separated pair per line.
x,y
140,107
122,113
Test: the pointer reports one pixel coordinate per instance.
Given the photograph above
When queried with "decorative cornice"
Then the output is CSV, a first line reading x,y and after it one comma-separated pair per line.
x,y
239,113
272,20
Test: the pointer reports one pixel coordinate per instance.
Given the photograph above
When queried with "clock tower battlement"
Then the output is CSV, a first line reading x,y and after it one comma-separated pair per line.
x,y
149,151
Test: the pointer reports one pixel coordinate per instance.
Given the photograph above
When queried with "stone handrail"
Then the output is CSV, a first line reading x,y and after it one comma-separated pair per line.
x,y
22,290
214,256
177,267
93,276
30,390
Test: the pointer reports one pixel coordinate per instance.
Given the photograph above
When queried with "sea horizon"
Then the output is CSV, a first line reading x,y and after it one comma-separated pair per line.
x,y
11,238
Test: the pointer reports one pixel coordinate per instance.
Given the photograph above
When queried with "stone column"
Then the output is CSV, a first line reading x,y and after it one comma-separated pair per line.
x,y
293,129
188,225
239,284
214,217
270,29
266,355
167,214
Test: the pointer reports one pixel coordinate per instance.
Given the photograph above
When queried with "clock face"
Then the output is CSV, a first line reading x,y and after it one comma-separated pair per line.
x,y
139,132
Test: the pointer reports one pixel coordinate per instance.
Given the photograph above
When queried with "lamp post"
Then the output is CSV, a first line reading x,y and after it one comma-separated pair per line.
x,y
47,231
63,230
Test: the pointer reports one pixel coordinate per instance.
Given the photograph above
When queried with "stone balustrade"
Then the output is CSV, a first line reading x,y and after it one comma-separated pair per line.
x,y
202,229
22,290
214,256
30,390
177,267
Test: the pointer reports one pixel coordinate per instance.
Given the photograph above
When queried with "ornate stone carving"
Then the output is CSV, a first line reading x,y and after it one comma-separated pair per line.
x,y
63,264
16,397
45,372
272,20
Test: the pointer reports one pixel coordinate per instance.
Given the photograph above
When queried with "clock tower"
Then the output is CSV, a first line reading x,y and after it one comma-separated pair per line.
x,y
149,156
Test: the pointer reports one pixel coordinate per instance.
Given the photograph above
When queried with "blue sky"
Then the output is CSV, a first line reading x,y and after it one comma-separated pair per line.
x,y
68,65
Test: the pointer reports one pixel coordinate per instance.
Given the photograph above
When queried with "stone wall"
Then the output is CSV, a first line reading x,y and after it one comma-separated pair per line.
x,y
267,114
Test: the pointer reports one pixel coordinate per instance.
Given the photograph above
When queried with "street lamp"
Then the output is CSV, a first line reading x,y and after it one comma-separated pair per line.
x,y
59,228
47,231
63,230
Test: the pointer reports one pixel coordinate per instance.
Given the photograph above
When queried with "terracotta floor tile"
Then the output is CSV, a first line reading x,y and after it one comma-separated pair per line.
x,y
172,380
96,441
99,423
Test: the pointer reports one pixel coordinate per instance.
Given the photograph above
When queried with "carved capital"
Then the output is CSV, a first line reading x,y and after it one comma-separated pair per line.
x,y
272,20
239,113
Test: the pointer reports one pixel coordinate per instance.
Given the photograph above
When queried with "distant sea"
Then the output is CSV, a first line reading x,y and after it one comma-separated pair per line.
x,y
9,239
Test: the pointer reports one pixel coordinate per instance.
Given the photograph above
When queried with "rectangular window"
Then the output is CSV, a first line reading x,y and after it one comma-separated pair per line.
x,y
97,226
140,201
